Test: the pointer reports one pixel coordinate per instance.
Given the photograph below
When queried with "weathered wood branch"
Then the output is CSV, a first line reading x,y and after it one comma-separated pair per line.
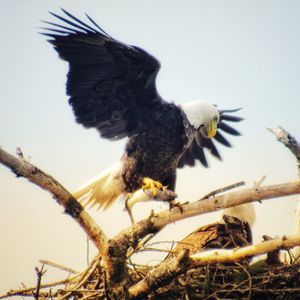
x,y
72,207
289,141
58,266
227,200
234,255
115,251
161,275
178,265
128,237
294,146
29,291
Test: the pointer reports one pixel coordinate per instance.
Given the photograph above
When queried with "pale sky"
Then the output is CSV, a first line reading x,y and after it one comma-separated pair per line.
x,y
230,53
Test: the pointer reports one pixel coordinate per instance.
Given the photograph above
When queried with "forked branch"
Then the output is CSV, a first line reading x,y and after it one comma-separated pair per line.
x,y
114,251
22,168
294,146
178,265
289,141
128,237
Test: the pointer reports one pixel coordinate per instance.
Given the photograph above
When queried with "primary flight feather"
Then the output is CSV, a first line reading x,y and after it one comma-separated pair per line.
x,y
112,88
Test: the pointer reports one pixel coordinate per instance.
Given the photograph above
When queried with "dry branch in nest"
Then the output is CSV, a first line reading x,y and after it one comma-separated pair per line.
x,y
211,274
234,281
181,263
208,275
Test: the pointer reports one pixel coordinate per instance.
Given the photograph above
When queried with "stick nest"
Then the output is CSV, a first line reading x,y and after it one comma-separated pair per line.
x,y
231,281
236,281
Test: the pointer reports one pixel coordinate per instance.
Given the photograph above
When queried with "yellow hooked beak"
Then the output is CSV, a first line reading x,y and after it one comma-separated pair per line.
x,y
212,129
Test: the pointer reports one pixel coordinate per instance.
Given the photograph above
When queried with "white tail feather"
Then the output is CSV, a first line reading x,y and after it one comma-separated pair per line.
x,y
103,189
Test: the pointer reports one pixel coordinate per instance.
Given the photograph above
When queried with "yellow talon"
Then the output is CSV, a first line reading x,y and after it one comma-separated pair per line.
x,y
153,185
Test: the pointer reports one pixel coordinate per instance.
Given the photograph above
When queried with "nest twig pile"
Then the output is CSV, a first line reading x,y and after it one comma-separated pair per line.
x,y
222,281
258,281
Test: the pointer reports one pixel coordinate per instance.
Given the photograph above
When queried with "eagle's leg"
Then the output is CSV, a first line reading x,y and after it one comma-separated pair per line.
x,y
150,190
133,198
128,207
152,185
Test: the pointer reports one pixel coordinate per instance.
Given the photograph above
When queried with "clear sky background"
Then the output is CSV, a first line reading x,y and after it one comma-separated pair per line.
x,y
231,53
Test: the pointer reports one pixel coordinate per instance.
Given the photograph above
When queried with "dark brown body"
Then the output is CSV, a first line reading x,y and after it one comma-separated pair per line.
x,y
147,156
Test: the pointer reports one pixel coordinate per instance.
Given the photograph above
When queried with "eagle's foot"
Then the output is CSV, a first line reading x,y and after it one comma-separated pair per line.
x,y
174,204
154,186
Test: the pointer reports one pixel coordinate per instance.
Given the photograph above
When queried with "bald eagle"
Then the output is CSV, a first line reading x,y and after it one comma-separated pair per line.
x,y
112,88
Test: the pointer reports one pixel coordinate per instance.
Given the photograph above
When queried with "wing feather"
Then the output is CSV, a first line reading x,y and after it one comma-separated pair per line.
x,y
111,85
200,143
222,140
228,129
231,118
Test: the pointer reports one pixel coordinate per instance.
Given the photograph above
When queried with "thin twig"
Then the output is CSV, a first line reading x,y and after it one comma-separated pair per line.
x,y
223,189
141,275
249,279
12,293
84,277
152,249
58,266
40,273
87,250
260,181
19,153
92,294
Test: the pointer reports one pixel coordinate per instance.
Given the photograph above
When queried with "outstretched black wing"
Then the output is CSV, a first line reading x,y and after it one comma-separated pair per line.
x,y
196,150
111,85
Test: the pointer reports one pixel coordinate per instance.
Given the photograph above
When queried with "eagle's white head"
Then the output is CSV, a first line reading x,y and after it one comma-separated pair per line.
x,y
202,116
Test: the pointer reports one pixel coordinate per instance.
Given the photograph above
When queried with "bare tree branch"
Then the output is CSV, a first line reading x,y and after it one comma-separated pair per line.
x,y
294,146
129,237
228,200
167,270
222,190
161,275
114,252
58,266
29,291
72,207
40,273
289,141
234,255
